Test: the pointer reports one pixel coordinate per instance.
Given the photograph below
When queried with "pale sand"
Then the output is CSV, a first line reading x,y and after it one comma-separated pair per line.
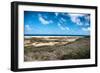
x,y
38,44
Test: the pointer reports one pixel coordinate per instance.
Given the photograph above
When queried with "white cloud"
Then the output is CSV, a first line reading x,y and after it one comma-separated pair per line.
x,y
88,20
28,28
56,13
75,19
87,17
62,28
43,21
63,19
86,29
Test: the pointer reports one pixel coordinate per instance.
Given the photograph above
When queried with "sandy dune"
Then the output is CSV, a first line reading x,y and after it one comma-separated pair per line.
x,y
61,41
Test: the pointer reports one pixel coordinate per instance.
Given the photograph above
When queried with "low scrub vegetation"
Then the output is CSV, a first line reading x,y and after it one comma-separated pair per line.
x,y
78,49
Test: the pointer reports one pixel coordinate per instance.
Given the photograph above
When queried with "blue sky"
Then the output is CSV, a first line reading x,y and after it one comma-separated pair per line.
x,y
57,23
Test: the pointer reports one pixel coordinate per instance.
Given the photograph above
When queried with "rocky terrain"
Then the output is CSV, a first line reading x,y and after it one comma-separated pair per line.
x,y
56,48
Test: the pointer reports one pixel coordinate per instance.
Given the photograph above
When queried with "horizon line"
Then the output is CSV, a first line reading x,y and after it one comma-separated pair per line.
x,y
52,35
